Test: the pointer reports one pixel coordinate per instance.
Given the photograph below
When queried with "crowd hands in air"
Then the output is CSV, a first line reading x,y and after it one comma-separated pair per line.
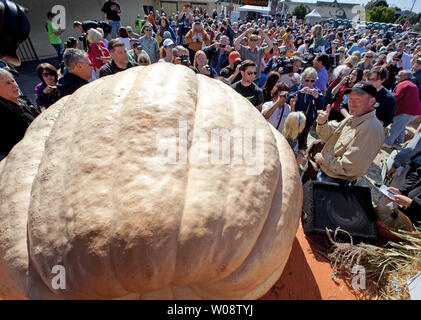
x,y
359,88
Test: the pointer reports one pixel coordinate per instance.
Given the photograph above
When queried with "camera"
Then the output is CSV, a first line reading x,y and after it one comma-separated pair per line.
x,y
14,29
334,60
185,60
285,64
236,64
308,61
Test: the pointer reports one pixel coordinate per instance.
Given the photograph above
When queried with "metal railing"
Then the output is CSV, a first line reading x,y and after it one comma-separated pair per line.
x,y
26,51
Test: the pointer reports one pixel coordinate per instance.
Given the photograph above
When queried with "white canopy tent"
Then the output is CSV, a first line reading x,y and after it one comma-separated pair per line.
x,y
313,17
258,9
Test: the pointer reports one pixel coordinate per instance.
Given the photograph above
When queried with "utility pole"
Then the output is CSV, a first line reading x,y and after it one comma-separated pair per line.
x,y
413,4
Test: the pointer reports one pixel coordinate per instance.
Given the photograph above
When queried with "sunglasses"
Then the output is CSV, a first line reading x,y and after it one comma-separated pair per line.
x,y
370,57
253,39
46,74
148,29
250,73
396,59
308,80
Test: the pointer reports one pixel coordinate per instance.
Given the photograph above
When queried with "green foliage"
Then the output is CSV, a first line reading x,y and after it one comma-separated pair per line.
x,y
300,11
381,14
416,27
376,3
411,19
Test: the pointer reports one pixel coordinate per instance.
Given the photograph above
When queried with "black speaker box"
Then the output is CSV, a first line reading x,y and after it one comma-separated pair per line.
x,y
330,205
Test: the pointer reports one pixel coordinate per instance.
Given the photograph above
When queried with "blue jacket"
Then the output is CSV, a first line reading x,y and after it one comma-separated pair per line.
x,y
305,100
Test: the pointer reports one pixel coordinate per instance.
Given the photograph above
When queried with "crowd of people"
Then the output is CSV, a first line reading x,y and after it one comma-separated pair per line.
x,y
359,88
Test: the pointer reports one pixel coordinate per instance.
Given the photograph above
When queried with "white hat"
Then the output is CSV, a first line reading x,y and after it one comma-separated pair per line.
x,y
168,42
129,29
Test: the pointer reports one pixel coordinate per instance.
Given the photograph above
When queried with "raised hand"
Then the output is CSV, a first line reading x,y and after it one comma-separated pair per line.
x,y
323,115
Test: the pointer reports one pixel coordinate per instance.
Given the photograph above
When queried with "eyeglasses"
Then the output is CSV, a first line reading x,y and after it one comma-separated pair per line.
x,y
46,74
309,80
250,73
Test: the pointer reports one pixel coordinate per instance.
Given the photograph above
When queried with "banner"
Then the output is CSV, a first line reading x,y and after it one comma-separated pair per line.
x,y
263,3
235,15
273,6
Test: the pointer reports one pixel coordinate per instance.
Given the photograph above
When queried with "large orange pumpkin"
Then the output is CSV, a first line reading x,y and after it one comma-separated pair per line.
x,y
84,190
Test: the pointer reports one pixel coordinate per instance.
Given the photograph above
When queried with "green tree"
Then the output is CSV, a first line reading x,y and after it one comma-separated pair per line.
x,y
381,14
376,3
300,11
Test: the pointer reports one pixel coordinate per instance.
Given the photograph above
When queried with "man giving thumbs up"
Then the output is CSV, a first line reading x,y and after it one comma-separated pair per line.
x,y
352,144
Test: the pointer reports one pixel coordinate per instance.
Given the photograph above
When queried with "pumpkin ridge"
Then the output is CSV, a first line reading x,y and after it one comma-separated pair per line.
x,y
189,145
111,249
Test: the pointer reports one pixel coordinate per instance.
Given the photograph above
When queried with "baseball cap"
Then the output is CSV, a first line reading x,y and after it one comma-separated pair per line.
x,y
234,55
173,24
129,29
363,87
51,14
168,43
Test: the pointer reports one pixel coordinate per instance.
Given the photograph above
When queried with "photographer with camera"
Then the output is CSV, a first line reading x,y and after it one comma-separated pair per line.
x,y
197,38
252,52
200,62
308,100
232,71
277,109
290,71
225,29
217,54
181,56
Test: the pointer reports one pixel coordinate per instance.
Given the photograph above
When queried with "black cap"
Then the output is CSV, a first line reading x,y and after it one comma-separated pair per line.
x,y
363,87
50,14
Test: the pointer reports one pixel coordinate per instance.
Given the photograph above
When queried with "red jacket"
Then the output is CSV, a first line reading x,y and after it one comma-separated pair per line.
x,y
95,51
407,98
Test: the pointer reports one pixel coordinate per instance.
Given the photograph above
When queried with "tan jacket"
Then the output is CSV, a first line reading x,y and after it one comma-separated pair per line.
x,y
191,36
351,145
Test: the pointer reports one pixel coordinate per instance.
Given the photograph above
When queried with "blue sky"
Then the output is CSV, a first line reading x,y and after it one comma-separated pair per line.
x,y
403,4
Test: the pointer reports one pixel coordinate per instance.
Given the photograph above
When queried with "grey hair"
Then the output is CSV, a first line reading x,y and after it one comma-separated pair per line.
x,y
407,73
177,49
72,56
4,73
94,36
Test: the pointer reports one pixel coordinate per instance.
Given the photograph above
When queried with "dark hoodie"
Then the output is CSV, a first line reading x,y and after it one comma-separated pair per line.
x,y
69,83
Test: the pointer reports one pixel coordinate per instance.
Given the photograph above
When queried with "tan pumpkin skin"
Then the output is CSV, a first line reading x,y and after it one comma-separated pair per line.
x,y
87,189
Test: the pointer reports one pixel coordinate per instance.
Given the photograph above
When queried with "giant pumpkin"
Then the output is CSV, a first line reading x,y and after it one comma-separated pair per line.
x,y
85,190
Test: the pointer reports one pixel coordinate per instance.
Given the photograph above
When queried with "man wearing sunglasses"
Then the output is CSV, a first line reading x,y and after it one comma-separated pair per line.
x,y
149,44
252,52
246,86
405,62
